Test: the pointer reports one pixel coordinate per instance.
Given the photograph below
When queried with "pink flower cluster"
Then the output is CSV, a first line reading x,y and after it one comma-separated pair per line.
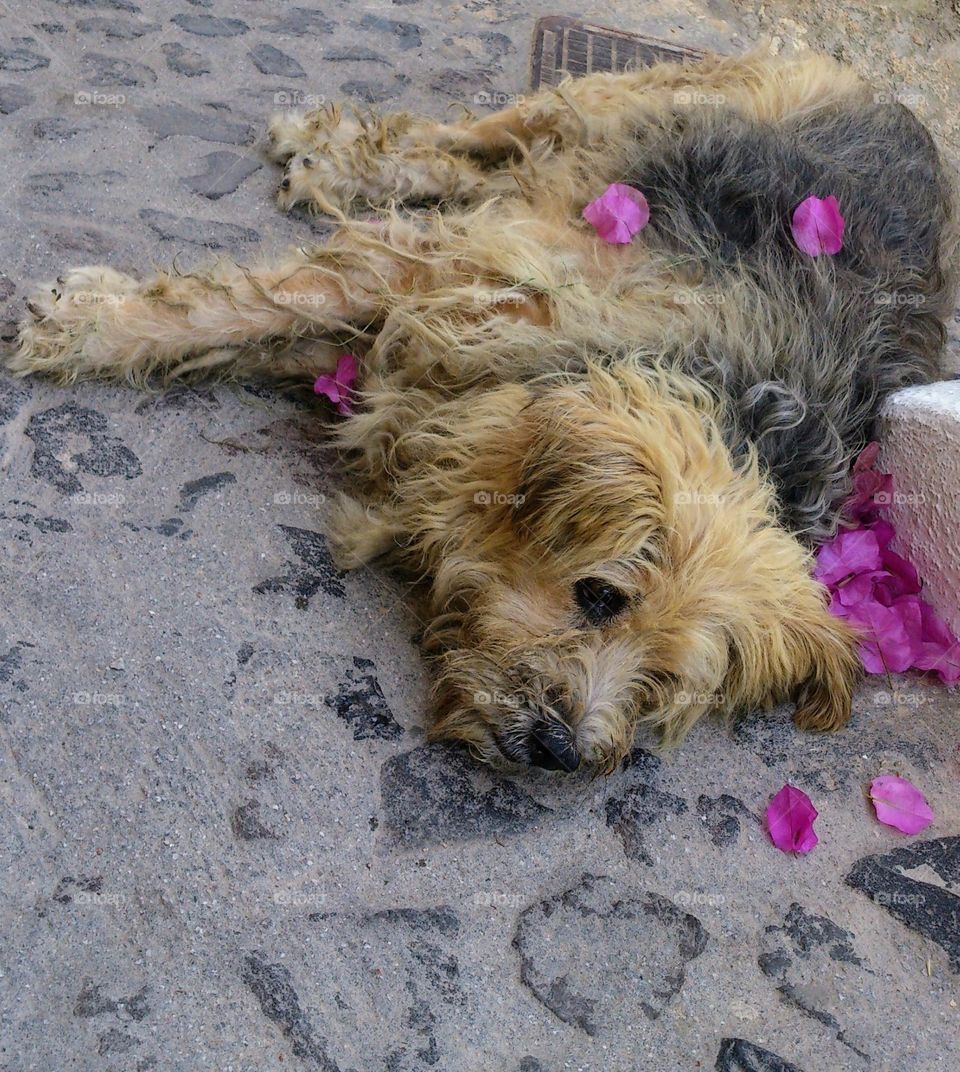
x,y
877,591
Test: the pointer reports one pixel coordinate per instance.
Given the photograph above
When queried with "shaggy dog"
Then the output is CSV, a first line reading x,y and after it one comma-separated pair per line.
x,y
604,465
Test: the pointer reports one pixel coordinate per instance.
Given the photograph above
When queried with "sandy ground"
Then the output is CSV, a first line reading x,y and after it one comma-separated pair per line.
x,y
225,843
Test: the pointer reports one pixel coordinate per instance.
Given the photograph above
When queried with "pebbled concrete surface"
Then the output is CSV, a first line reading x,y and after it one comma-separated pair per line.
x,y
225,844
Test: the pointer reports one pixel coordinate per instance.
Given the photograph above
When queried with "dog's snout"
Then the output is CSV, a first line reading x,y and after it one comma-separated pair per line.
x,y
552,746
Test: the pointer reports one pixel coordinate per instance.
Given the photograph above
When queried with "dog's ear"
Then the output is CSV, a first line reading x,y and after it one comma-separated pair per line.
x,y
826,648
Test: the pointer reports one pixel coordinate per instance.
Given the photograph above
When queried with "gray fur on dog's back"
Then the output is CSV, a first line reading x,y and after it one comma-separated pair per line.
x,y
818,343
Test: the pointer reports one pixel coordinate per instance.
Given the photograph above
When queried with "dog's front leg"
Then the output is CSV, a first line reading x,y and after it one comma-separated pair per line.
x,y
98,323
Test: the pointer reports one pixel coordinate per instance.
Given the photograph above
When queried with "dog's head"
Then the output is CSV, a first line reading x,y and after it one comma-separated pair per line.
x,y
597,560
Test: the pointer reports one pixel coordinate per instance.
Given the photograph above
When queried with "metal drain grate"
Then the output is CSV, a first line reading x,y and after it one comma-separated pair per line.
x,y
564,45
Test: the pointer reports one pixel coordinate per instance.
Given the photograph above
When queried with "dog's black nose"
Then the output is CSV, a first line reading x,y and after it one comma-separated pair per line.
x,y
552,747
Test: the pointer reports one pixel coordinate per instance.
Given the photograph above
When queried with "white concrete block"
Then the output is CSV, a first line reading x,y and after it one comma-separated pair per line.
x,y
920,445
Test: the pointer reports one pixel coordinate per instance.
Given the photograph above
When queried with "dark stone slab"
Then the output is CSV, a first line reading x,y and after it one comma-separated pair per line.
x,y
361,704
416,992
56,128
272,985
722,818
247,825
13,98
114,1041
406,35
354,54
223,173
300,22
110,5
930,910
105,71
314,570
640,807
54,432
210,233
13,395
602,954
118,31
91,1002
169,120
738,1055
20,60
270,60
368,92
186,61
806,954
194,490
210,25
435,793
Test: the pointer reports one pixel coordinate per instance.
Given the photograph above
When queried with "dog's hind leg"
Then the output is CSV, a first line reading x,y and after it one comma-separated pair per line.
x,y
335,162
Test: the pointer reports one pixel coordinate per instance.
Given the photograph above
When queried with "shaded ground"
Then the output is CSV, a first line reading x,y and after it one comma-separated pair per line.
x,y
226,844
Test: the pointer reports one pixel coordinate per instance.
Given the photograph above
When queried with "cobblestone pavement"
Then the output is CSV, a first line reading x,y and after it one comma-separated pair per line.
x,y
225,842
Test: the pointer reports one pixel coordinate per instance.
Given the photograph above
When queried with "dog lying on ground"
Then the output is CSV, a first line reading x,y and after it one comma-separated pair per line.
x,y
605,465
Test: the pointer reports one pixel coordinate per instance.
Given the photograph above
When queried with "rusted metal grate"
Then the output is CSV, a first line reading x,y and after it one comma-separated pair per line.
x,y
564,45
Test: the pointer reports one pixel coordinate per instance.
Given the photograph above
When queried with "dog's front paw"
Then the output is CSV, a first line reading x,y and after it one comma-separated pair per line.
x,y
61,319
325,181
320,152
290,133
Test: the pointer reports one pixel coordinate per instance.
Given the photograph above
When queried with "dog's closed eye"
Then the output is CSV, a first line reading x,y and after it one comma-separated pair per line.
x,y
599,600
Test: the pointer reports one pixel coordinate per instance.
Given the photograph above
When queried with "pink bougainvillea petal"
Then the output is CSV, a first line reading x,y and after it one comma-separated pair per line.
x,y
902,577
618,213
890,641
346,369
847,554
790,817
939,648
818,226
900,804
337,386
856,590
867,458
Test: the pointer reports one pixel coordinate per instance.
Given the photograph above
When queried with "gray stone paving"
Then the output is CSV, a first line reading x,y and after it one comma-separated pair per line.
x,y
225,842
